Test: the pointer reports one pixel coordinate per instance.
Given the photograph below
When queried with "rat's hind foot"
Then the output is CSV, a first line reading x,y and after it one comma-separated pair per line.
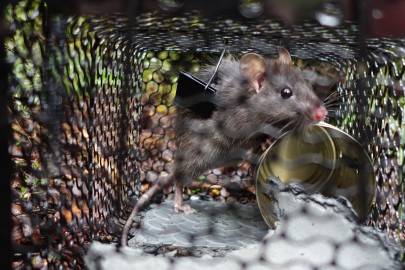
x,y
178,201
186,209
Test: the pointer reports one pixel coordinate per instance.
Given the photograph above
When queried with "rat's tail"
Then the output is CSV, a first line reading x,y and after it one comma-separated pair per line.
x,y
158,186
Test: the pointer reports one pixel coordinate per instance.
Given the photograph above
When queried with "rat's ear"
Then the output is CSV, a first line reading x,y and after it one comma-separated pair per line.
x,y
254,67
284,56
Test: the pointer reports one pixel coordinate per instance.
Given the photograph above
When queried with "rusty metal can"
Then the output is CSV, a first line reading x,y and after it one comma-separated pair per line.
x,y
323,159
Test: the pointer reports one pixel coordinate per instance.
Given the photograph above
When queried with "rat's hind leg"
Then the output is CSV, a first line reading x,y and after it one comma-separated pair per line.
x,y
178,200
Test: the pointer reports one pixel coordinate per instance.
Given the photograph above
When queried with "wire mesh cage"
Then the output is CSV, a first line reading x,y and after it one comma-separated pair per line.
x,y
91,115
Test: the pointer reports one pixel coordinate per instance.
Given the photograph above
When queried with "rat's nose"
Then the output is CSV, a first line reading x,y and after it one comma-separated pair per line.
x,y
319,113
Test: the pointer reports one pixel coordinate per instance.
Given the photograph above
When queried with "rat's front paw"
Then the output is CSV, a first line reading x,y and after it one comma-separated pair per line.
x,y
186,209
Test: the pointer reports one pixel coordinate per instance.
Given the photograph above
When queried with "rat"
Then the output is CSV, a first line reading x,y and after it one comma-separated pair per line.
x,y
256,97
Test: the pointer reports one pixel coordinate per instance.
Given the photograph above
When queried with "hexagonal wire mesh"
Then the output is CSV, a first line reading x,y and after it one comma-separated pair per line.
x,y
93,104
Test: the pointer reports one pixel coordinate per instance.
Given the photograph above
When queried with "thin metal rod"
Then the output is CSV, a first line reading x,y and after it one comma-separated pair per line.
x,y
218,64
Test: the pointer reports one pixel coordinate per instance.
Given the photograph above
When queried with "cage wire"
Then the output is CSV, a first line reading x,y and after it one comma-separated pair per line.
x,y
92,106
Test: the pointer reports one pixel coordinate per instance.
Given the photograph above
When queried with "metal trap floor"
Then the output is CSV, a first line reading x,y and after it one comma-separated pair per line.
x,y
215,225
313,232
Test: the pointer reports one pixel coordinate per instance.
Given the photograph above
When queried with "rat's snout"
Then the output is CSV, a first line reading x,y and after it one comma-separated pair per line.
x,y
319,113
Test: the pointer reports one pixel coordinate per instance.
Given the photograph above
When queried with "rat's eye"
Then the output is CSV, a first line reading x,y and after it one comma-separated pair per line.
x,y
286,93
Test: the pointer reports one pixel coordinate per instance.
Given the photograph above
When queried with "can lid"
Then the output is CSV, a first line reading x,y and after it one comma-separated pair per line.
x,y
323,159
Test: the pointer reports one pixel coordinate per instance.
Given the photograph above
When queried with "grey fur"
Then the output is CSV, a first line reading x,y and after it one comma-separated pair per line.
x,y
243,115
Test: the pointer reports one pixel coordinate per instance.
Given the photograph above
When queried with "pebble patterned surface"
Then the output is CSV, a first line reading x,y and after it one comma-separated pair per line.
x,y
214,225
313,232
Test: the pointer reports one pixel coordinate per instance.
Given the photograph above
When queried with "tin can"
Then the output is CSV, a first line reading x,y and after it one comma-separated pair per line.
x,y
323,159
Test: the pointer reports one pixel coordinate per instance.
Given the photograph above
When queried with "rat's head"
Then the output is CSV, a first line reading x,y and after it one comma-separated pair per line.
x,y
279,92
